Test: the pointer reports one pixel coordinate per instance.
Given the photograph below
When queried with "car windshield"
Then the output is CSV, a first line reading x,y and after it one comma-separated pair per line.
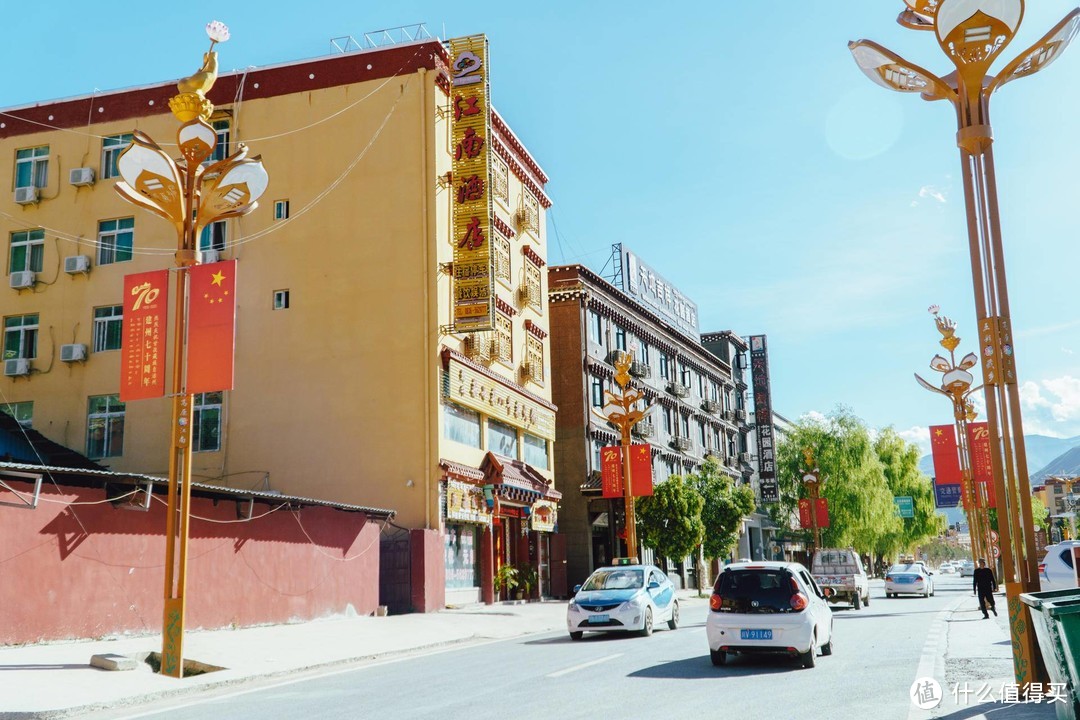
x,y
905,569
755,591
617,579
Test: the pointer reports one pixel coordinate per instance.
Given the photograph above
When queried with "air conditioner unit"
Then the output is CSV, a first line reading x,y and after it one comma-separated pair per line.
x,y
23,279
531,371
72,353
26,195
17,366
744,457
77,264
210,256
526,219
478,346
526,294
81,176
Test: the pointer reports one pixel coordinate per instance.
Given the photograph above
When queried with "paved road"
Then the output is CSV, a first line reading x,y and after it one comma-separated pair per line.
x,y
877,654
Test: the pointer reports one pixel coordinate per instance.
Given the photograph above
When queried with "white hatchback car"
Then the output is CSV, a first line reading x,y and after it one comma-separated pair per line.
x,y
768,607
1056,571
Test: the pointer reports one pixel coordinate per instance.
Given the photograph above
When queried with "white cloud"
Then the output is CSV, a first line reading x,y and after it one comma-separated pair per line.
x,y
929,191
918,434
1051,407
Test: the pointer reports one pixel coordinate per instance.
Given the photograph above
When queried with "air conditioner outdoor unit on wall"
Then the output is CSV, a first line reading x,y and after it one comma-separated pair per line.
x,y
26,195
77,264
81,176
210,256
22,279
72,353
17,366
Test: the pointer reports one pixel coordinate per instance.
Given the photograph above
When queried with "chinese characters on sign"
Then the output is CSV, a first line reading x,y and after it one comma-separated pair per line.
x,y
946,495
995,342
611,466
982,471
759,371
821,513
470,388
654,292
465,503
611,471
471,172
142,361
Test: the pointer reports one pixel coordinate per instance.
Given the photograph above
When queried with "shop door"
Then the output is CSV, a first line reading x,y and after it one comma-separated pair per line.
x,y
395,571
558,566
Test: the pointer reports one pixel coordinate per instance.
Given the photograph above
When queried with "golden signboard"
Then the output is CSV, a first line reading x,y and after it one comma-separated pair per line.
x,y
470,131
478,392
465,503
545,515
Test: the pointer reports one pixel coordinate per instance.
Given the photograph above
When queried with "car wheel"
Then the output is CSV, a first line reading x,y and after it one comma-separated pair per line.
x,y
826,649
856,602
718,657
866,600
575,635
673,623
646,629
809,658
926,593
932,590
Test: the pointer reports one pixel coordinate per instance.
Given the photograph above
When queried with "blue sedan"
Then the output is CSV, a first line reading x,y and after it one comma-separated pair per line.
x,y
624,598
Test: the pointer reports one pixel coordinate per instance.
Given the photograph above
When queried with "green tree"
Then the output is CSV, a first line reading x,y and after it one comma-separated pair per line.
x,y
669,520
861,506
900,463
724,507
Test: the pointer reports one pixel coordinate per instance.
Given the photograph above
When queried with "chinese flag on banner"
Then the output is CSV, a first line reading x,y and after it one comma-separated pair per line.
x,y
946,456
611,471
805,521
211,327
142,354
982,468
641,470
822,511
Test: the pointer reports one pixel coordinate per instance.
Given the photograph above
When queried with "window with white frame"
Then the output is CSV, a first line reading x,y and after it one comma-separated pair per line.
x,y
643,353
533,284
500,179
281,210
501,248
111,147
665,366
213,237
105,427
502,439
534,356
596,327
32,167
206,434
108,327
620,338
597,392
504,338
281,299
461,424
23,412
536,451
20,336
116,240
27,251
221,148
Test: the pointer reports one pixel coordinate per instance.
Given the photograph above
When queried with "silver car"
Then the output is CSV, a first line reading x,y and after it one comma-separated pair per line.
x,y
623,598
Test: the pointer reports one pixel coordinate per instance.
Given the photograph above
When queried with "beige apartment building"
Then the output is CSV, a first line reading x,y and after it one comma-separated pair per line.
x,y
351,382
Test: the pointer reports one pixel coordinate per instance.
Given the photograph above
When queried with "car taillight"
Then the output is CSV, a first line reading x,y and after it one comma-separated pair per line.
x,y
715,602
1042,568
799,602
888,578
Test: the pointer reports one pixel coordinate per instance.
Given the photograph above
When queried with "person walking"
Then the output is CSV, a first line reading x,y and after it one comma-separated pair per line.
x,y
984,584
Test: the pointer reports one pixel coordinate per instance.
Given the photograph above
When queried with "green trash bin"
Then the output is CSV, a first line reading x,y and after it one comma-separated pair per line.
x,y
1055,617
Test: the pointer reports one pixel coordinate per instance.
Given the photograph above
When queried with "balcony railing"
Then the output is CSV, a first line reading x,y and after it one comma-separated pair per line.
x,y
680,443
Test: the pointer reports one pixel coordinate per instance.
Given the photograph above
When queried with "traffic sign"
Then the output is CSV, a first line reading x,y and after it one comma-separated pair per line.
x,y
997,552
905,506
993,536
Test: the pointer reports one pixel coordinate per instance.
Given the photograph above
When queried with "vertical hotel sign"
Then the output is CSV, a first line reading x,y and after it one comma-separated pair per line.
x,y
471,165
759,370
142,354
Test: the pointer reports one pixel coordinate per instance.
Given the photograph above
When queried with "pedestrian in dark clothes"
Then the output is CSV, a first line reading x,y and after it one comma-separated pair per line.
x,y
984,584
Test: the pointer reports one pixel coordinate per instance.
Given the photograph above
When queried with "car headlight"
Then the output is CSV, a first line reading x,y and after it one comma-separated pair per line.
x,y
637,601
573,602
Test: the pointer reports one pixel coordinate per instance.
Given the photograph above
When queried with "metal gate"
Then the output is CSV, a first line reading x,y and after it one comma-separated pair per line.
x,y
395,571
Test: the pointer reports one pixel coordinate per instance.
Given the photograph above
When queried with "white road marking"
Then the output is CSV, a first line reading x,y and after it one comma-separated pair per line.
x,y
582,666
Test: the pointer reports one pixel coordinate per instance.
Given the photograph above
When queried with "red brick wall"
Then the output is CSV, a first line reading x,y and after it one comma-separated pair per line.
x,y
88,571
428,571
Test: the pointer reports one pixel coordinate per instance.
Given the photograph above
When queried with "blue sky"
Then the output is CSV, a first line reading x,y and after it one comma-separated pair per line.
x,y
734,146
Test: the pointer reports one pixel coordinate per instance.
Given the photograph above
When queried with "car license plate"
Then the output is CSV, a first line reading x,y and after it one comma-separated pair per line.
x,y
598,618
905,580
755,634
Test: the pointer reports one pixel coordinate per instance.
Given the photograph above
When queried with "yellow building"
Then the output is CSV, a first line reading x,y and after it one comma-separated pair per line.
x,y
351,384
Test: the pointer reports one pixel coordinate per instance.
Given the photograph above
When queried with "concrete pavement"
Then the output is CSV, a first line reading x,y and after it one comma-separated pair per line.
x,y
56,680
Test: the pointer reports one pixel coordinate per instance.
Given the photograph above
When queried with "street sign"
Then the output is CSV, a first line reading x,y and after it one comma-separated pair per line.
x,y
993,537
905,506
997,552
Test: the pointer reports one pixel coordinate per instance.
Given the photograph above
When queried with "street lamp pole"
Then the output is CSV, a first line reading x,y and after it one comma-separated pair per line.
x,y
623,412
972,34
811,478
190,197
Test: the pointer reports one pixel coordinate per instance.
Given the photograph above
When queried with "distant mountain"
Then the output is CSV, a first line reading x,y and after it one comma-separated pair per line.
x,y
1068,463
1043,456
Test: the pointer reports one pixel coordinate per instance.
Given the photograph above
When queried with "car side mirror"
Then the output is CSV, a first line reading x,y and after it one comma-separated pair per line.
x,y
576,588
653,584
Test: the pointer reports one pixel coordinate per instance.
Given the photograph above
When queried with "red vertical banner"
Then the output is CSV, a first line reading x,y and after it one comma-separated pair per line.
x,y
611,466
946,455
211,327
641,470
982,467
142,354
822,512
805,520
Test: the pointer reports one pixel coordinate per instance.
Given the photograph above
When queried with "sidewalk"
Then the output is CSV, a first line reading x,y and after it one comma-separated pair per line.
x,y
57,681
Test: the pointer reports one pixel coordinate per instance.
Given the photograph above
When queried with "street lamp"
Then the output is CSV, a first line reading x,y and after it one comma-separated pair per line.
x,y
190,196
623,412
972,34
956,385
811,479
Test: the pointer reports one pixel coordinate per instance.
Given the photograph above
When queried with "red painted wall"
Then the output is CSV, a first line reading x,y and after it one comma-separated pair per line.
x,y
428,571
87,571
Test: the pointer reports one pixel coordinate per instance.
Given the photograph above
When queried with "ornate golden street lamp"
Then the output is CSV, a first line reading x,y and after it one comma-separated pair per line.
x,y
811,480
973,33
190,196
623,412
956,385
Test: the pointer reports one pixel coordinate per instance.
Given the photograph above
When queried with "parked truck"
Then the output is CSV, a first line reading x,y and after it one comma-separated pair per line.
x,y
841,576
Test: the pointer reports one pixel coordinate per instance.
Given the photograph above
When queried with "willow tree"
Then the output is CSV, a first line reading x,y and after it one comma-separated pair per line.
x,y
861,507
900,463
